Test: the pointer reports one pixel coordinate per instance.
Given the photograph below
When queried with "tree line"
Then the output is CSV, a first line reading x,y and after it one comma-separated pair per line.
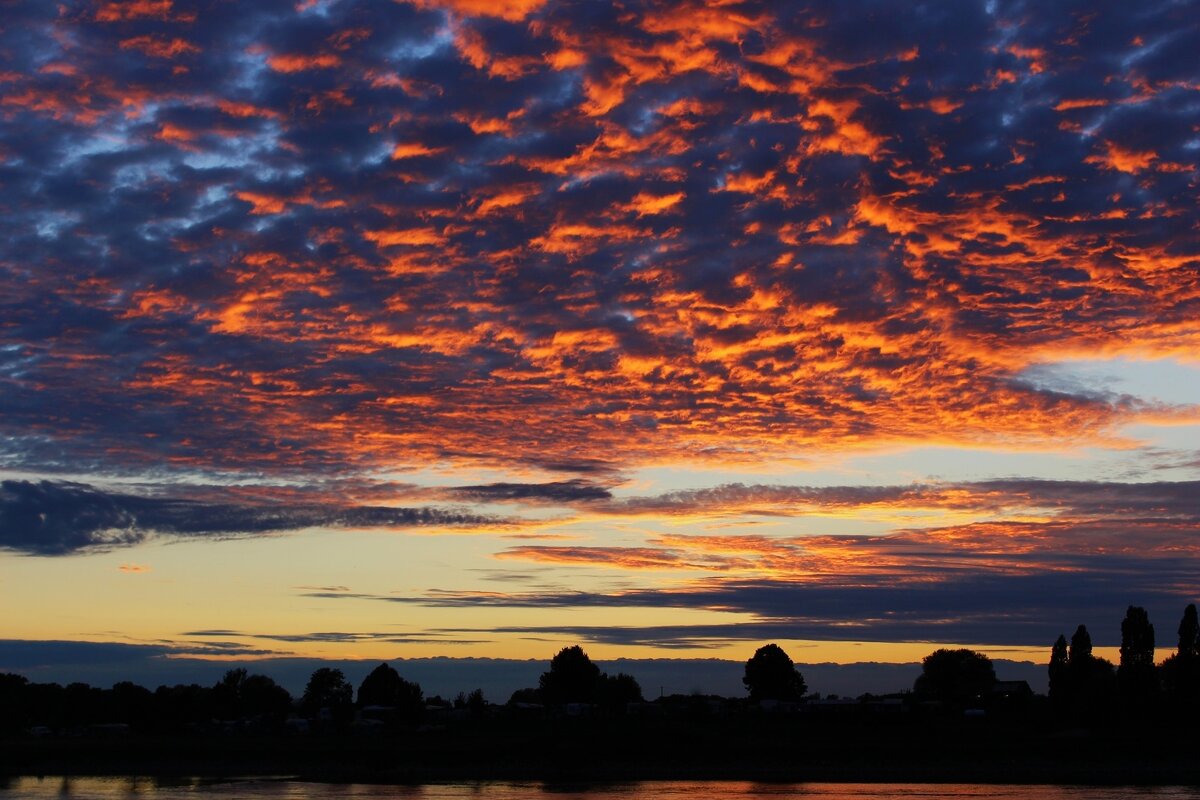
x,y
329,702
1084,684
1081,684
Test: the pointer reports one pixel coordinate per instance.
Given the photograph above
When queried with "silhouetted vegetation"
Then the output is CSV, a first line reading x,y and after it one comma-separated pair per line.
x,y
474,702
771,675
240,695
384,689
574,680
1086,686
328,698
1181,670
1137,677
1060,678
957,677
959,721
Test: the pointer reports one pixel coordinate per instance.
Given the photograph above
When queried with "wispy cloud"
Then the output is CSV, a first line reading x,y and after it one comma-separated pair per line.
x,y
56,518
570,491
1039,556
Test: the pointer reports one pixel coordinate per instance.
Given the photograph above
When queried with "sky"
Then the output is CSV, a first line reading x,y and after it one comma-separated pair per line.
x,y
365,329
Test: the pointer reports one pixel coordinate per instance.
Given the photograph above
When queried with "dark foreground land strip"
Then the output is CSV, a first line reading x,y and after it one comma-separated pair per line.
x,y
588,753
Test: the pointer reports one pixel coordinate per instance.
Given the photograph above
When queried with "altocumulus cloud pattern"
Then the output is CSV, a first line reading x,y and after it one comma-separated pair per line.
x,y
288,249
361,232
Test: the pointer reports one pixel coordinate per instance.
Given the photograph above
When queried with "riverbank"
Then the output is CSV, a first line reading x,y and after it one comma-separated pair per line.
x,y
764,749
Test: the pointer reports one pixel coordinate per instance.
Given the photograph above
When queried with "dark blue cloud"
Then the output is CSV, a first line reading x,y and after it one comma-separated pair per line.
x,y
1017,610
22,655
52,519
569,491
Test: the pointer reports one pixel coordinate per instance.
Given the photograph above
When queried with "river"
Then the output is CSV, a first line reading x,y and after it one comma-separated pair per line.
x,y
157,789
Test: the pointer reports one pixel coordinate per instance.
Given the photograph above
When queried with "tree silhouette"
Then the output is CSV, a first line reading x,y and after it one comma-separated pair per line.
x,y
328,692
227,695
1181,670
771,675
239,695
131,704
1081,647
572,678
1189,634
1059,677
181,705
263,697
1091,680
385,687
1136,676
958,677
15,700
1137,639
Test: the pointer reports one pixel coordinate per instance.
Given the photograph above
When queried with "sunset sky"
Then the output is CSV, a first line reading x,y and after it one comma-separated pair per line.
x,y
376,329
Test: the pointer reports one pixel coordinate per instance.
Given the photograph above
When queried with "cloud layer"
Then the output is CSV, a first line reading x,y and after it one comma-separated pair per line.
x,y
349,233
272,257
1026,560
48,518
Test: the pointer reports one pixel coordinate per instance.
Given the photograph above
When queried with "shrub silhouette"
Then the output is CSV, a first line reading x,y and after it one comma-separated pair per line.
x,y
618,690
474,703
529,694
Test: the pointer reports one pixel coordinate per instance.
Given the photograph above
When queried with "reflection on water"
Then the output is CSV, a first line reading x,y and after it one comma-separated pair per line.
x,y
160,789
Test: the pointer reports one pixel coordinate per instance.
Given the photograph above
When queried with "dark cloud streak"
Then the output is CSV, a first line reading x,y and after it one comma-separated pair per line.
x,y
54,519
570,491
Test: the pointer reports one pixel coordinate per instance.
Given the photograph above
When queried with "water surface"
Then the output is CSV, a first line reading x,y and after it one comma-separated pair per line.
x,y
157,789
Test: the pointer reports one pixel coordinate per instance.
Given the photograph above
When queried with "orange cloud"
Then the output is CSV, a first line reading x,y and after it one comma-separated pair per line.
x,y
1082,102
938,105
263,204
414,150
141,9
169,132
507,199
1119,158
511,10
301,63
475,50
645,204
748,183
420,237
246,110
159,47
